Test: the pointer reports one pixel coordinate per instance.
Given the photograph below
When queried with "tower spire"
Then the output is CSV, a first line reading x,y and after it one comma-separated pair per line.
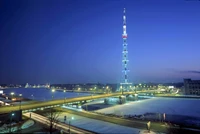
x,y
124,17
124,25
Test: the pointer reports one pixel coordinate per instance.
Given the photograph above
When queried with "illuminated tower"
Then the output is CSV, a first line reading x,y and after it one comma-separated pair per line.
x,y
124,85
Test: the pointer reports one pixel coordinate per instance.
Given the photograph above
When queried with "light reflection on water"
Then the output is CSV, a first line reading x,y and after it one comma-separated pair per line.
x,y
43,94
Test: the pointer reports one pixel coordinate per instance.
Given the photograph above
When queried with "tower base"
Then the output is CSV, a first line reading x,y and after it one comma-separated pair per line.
x,y
125,87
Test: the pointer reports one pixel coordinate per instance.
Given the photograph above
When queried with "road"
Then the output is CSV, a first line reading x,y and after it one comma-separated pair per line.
x,y
98,126
140,124
59,125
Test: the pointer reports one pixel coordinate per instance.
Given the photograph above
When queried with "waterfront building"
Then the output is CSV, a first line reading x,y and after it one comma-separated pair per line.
x,y
191,87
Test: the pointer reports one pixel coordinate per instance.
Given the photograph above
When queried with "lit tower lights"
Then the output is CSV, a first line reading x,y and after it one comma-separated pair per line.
x,y
124,85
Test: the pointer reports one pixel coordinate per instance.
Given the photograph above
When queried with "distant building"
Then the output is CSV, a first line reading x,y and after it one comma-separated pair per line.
x,y
191,87
27,85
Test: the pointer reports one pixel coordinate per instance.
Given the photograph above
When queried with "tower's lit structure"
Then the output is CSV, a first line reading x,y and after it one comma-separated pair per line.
x,y
124,86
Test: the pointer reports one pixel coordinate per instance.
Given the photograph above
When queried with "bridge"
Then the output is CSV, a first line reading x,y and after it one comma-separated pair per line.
x,y
54,103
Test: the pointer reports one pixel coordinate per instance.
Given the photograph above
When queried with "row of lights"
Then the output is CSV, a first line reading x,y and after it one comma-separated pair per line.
x,y
94,88
12,93
138,86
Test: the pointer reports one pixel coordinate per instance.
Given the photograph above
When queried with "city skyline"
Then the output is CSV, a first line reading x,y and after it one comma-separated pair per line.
x,y
78,41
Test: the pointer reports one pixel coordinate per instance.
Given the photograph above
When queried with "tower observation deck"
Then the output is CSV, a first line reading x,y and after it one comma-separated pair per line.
x,y
125,85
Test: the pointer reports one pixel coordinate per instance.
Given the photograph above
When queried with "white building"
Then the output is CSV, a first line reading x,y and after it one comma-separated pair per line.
x,y
191,87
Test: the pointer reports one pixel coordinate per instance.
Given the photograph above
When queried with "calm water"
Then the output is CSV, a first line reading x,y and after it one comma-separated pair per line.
x,y
43,94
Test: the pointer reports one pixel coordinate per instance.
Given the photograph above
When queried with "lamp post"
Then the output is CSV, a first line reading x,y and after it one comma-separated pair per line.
x,y
64,96
140,85
11,120
95,89
107,89
12,93
53,90
121,89
20,101
130,88
69,124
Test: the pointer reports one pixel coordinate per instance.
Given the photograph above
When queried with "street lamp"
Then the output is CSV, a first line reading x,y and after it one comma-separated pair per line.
x,y
53,90
69,124
64,96
20,101
12,93
121,89
13,114
107,89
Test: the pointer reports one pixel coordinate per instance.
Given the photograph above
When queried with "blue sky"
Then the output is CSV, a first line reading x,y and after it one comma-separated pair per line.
x,y
79,41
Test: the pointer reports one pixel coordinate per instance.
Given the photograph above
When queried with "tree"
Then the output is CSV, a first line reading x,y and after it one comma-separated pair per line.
x,y
52,118
4,128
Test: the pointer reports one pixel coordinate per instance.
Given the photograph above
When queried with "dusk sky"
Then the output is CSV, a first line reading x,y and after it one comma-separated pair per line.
x,y
80,41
